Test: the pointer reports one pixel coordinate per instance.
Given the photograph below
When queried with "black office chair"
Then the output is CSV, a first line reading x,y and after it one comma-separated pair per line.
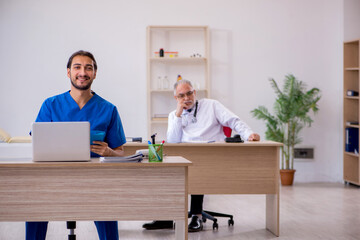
x,y
212,215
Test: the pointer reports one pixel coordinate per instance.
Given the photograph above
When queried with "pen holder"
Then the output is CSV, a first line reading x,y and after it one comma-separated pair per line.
x,y
155,152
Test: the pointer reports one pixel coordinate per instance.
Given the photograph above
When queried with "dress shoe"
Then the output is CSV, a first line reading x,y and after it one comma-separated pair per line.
x,y
159,225
195,224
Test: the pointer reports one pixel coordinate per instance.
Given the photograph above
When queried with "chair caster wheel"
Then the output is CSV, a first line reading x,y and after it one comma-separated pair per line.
x,y
231,222
72,237
215,226
204,220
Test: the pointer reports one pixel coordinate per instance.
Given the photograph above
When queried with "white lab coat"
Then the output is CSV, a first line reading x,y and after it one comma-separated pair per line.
x,y
211,117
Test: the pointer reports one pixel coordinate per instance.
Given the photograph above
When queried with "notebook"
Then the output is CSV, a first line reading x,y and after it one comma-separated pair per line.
x,y
61,141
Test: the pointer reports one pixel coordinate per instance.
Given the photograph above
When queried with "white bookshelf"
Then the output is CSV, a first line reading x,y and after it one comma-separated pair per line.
x,y
186,41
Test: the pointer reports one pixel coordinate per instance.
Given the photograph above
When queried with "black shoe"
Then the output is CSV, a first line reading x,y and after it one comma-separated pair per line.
x,y
195,224
158,225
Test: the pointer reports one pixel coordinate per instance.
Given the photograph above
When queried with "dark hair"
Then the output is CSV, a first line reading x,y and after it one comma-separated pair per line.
x,y
82,53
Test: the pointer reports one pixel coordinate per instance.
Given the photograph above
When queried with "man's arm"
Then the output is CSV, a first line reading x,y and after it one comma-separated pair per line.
x,y
174,132
115,136
229,119
44,114
104,150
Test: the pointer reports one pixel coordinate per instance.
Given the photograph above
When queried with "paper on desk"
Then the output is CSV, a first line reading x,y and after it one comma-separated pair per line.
x,y
198,141
132,158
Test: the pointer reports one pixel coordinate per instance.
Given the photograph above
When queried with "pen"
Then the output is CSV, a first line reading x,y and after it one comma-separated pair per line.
x,y
162,143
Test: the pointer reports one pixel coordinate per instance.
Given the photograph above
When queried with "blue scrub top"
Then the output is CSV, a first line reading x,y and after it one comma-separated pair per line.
x,y
101,114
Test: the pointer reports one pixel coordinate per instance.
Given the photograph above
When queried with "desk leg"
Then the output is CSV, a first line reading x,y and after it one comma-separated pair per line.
x,y
181,226
272,213
180,230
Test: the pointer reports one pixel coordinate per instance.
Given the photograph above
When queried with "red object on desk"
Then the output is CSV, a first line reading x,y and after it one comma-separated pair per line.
x,y
227,131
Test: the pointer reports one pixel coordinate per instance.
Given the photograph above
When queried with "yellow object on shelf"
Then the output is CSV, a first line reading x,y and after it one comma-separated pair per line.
x,y
168,54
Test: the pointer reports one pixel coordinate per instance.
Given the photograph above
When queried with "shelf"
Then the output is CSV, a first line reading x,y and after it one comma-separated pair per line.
x,y
161,90
178,59
352,69
160,121
352,98
171,90
178,28
351,154
350,125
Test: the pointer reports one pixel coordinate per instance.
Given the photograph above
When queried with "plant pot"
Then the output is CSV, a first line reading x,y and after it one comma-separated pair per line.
x,y
287,176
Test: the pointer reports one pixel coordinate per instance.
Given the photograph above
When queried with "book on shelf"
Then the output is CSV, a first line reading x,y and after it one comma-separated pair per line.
x,y
352,140
138,157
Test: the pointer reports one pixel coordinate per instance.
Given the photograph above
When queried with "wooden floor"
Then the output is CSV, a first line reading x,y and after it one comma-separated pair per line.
x,y
307,211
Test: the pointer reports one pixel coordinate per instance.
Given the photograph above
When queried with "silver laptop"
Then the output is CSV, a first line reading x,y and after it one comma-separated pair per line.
x,y
61,141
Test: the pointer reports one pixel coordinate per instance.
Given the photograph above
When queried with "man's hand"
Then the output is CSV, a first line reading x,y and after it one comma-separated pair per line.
x,y
101,148
254,137
180,107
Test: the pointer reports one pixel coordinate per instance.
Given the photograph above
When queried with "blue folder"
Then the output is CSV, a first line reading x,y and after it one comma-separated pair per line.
x,y
352,140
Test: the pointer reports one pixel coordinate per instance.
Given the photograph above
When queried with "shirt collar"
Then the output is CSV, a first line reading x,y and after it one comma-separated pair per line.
x,y
191,110
188,111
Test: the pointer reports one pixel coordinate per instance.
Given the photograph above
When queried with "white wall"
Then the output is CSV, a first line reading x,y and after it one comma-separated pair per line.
x,y
351,20
251,42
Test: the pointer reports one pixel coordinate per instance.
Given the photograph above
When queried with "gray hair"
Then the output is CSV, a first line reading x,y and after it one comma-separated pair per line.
x,y
182,81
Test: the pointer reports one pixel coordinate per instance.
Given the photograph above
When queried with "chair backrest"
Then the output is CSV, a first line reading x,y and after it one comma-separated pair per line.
x,y
227,131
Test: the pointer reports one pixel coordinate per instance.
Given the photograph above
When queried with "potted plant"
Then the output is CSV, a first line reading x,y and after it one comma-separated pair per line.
x,y
291,114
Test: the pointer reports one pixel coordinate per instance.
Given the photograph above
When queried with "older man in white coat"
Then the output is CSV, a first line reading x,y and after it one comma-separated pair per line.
x,y
199,120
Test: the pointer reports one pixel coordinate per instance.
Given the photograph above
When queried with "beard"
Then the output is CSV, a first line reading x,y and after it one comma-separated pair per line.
x,y
189,104
84,87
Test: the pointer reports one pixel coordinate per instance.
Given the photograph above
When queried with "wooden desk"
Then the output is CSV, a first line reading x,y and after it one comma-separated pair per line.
x,y
231,168
71,191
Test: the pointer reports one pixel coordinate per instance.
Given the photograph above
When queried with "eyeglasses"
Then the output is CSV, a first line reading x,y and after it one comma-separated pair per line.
x,y
182,95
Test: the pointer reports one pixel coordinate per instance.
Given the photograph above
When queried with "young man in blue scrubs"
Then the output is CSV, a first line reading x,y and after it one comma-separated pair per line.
x,y
82,104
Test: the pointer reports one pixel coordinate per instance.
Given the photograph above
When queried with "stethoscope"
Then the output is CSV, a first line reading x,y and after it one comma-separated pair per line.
x,y
193,119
